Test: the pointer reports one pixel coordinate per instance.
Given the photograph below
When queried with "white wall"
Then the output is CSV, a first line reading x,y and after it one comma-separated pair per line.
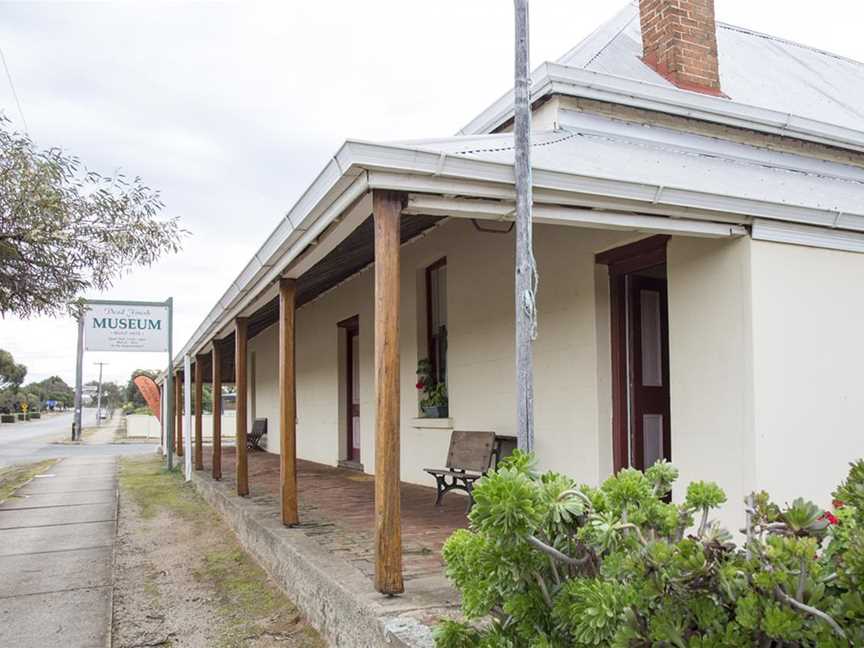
x,y
146,425
570,434
710,371
263,383
808,319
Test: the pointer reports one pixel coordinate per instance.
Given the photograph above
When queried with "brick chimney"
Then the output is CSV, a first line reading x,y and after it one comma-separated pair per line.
x,y
679,41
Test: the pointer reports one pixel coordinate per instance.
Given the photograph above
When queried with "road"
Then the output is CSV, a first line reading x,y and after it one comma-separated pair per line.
x,y
37,440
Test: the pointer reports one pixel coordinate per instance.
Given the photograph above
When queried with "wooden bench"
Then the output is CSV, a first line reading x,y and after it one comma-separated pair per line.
x,y
259,429
467,461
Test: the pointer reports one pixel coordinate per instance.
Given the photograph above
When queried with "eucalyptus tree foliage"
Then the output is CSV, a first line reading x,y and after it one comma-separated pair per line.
x,y
11,373
65,230
547,563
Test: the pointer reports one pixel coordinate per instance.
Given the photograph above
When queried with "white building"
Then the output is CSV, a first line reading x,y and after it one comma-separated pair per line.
x,y
699,243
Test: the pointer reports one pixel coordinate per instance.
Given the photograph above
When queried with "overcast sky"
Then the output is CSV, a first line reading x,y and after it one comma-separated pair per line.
x,y
231,109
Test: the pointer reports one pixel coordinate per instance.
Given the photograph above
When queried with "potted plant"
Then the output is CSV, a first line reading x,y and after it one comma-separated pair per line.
x,y
433,395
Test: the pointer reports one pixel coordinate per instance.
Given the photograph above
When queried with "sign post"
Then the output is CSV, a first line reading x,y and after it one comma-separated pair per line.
x,y
132,326
79,379
187,417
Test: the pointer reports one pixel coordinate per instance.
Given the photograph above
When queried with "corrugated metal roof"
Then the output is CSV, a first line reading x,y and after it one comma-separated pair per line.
x,y
597,146
755,69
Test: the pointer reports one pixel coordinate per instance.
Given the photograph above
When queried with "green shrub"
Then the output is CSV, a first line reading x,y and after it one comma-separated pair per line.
x,y
35,415
7,418
22,416
551,564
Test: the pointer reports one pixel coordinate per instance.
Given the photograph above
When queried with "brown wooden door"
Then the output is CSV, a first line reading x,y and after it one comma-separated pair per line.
x,y
648,374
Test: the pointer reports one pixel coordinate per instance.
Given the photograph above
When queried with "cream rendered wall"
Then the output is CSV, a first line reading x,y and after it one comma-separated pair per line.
x,y
569,430
318,370
147,425
263,383
808,318
710,351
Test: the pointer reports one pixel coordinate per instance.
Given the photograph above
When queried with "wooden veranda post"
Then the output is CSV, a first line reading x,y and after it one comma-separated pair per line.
x,y
199,411
241,341
287,403
387,208
178,409
216,463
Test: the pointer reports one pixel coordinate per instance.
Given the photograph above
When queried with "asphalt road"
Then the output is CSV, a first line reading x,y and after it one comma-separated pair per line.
x,y
29,441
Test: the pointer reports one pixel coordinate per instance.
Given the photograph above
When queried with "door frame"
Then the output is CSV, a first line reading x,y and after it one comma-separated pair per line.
x,y
621,261
350,328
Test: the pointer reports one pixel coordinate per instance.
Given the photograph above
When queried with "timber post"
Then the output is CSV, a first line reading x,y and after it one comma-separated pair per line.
x,y
199,412
241,343
387,208
178,410
287,403
216,463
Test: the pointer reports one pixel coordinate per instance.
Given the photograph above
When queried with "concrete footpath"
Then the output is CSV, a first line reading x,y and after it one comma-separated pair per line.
x,y
56,556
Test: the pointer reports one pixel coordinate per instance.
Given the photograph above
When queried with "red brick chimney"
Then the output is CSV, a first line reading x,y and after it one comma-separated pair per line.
x,y
679,40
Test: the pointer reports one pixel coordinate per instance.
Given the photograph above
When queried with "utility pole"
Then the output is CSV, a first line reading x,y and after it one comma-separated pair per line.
x,y
526,269
99,395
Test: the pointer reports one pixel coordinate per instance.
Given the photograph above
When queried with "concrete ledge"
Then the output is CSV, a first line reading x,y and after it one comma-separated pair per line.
x,y
335,596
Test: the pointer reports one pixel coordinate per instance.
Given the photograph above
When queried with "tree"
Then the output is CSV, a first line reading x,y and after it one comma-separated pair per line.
x,y
11,374
112,395
65,229
51,389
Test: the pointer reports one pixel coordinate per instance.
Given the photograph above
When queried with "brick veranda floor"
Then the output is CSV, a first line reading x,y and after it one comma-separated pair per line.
x,y
337,510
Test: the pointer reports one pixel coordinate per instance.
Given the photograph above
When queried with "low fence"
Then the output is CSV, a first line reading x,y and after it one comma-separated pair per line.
x,y
147,426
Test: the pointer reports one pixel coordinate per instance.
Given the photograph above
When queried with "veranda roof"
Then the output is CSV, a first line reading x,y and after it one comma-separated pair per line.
x,y
613,171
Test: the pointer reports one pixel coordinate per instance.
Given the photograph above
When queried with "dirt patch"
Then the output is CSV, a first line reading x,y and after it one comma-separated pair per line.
x,y
14,477
182,579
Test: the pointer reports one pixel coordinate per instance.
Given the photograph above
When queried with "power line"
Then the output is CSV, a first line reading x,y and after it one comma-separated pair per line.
x,y
14,93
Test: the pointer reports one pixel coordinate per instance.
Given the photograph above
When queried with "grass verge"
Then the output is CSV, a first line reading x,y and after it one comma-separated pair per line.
x,y
14,477
251,608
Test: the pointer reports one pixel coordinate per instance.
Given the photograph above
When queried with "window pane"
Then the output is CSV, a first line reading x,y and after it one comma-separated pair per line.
x,y
437,341
652,439
652,346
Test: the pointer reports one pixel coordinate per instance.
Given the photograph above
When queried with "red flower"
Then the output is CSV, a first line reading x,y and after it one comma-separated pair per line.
x,y
830,517
420,385
838,504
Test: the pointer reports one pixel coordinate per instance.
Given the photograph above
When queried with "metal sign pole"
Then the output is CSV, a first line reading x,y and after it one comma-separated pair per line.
x,y
187,417
169,388
79,377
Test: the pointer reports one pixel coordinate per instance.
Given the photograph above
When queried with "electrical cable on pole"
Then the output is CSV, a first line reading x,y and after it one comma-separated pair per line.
x,y
526,268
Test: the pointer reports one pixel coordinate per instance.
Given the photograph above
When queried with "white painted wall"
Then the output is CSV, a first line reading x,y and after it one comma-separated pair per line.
x,y
147,426
571,436
710,370
808,319
263,384
714,330
143,426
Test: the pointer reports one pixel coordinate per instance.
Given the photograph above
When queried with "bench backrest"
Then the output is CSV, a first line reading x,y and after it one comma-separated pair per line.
x,y
470,450
259,428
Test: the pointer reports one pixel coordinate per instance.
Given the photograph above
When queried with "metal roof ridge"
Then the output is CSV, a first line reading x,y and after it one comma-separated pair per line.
x,y
606,33
785,41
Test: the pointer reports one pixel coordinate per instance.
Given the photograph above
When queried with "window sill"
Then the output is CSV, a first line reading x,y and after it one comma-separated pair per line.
x,y
422,423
